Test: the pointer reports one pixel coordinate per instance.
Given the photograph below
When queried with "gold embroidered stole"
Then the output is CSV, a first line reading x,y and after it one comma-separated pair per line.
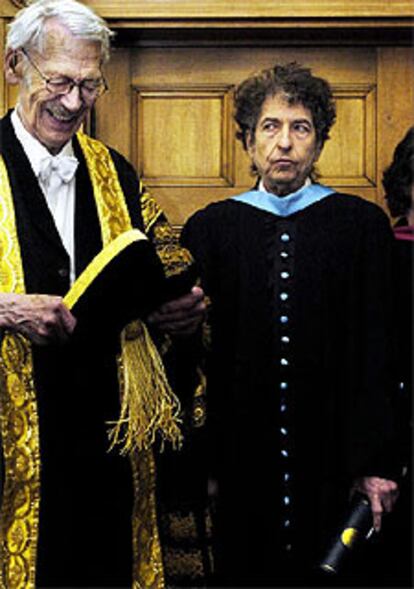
x,y
19,422
174,257
18,409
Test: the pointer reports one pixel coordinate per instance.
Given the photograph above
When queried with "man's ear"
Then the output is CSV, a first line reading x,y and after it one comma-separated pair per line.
x,y
13,66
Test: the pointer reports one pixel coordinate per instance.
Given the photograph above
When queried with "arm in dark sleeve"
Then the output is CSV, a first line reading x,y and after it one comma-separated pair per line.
x,y
371,428
148,216
197,237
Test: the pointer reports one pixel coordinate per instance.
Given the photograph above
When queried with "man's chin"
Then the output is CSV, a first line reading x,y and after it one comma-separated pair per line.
x,y
55,139
54,143
281,186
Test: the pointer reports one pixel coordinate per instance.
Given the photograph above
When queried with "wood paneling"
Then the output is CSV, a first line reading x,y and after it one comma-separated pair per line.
x,y
113,117
239,9
177,102
176,62
348,159
183,135
247,9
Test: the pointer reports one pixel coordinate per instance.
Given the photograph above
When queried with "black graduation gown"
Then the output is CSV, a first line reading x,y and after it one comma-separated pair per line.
x,y
86,493
298,377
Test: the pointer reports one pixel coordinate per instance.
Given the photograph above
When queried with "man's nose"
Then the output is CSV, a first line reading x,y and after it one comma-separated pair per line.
x,y
72,100
284,138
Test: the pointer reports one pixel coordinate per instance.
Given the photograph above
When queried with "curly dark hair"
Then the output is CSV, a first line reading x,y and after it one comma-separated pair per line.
x,y
299,86
398,178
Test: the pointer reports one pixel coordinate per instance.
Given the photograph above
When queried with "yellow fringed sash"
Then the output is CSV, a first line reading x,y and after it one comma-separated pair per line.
x,y
149,406
148,572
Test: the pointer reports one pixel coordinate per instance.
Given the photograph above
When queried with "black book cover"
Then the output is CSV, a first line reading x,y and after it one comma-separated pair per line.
x,y
125,281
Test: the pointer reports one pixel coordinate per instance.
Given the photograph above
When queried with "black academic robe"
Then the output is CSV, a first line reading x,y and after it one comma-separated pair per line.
x,y
298,377
86,492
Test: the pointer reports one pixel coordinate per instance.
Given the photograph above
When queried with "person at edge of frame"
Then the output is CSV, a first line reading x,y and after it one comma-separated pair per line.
x,y
395,543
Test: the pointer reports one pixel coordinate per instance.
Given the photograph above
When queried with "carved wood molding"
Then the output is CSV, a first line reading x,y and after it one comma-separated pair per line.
x,y
213,9
175,14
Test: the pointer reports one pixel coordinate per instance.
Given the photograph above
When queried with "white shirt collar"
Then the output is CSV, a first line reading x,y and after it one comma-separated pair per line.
x,y
33,149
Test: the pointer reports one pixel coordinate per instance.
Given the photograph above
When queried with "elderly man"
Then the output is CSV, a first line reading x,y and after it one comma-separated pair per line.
x,y
69,507
299,369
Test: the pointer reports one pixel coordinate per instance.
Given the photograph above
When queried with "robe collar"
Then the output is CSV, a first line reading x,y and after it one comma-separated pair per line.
x,y
286,205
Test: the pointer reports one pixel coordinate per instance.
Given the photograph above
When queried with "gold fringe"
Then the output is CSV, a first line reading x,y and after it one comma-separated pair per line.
x,y
148,405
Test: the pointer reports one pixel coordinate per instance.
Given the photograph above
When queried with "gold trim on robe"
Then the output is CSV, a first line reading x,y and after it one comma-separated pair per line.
x,y
18,407
174,257
19,424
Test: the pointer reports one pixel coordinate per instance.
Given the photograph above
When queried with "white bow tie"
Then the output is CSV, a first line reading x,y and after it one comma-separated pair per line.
x,y
63,166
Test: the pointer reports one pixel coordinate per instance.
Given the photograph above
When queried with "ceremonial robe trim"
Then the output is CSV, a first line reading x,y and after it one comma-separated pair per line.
x,y
19,422
174,257
284,206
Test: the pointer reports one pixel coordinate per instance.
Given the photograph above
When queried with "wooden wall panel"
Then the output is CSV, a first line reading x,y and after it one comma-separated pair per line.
x,y
181,137
184,144
113,115
348,158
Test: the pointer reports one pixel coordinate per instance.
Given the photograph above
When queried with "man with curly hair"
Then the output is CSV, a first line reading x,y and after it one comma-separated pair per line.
x,y
299,367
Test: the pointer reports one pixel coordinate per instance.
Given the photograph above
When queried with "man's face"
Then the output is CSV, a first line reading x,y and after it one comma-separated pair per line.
x,y
54,119
284,146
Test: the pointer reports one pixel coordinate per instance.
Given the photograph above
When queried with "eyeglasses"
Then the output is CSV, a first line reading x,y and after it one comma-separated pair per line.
x,y
89,89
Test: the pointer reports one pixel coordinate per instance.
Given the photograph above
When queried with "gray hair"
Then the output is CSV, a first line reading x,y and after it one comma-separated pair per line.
x,y
27,28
